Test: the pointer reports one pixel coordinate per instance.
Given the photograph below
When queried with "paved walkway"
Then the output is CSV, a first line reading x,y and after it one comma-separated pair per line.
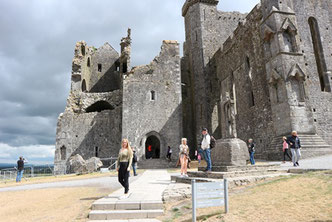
x,y
106,181
321,162
145,195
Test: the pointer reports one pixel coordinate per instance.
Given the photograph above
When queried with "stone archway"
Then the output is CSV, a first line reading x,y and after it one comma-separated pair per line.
x,y
154,140
152,147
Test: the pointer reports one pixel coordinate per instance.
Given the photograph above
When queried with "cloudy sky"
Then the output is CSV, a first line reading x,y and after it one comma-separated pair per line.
x,y
36,48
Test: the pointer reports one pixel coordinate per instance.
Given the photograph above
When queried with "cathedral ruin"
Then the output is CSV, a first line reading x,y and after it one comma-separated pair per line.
x,y
258,75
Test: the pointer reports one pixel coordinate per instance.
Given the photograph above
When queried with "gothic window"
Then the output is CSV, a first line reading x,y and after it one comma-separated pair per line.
x,y
298,89
83,86
251,99
99,67
153,95
319,55
289,41
63,153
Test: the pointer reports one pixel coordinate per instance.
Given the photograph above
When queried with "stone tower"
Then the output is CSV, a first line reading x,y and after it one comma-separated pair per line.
x,y
206,30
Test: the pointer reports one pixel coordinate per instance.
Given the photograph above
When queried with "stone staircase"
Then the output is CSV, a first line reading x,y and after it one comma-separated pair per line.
x,y
114,209
312,146
143,203
236,175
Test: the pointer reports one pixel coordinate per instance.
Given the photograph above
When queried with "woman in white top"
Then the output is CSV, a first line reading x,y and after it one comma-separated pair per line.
x,y
184,153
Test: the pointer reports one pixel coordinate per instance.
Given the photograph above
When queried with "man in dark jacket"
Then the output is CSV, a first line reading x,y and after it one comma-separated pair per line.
x,y
134,163
251,149
20,169
295,146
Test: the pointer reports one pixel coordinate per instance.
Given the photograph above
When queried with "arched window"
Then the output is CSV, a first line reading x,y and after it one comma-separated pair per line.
x,y
63,153
319,55
83,86
99,106
153,95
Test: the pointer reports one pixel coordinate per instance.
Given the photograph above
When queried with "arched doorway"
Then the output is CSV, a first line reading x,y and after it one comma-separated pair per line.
x,y
152,147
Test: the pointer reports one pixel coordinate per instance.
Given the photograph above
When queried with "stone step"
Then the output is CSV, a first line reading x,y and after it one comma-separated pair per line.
x,y
104,204
241,168
156,164
124,214
223,175
235,181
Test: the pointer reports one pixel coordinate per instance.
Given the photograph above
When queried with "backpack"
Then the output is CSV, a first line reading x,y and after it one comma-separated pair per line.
x,y
212,142
134,158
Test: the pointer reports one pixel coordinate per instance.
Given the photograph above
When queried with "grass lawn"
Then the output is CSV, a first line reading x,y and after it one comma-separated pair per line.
x,y
305,197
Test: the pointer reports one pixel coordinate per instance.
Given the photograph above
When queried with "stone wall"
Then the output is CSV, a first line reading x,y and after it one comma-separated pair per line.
x,y
241,73
159,115
320,101
206,30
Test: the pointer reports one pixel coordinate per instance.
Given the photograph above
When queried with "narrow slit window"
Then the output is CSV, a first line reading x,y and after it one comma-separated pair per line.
x,y
99,67
153,95
88,63
96,151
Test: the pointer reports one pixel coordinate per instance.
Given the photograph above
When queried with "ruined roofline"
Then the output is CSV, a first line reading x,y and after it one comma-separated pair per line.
x,y
241,28
189,3
143,68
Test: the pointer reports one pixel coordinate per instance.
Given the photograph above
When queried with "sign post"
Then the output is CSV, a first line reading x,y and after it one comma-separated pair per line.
x,y
209,195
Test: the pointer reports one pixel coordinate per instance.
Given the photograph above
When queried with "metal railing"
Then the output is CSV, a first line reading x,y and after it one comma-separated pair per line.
x,y
29,172
110,162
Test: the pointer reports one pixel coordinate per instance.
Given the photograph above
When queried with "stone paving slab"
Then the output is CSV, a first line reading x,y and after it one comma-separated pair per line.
x,y
144,199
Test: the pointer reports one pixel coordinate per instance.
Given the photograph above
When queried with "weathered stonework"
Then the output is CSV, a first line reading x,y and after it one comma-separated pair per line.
x,y
152,103
259,75
270,73
109,101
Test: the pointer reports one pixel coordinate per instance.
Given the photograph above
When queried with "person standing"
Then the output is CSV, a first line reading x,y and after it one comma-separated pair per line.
x,y
285,149
169,153
184,154
251,149
123,164
295,145
20,169
134,165
205,145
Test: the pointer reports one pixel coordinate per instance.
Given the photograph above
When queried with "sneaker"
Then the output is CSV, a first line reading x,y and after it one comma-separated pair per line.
x,y
297,163
283,161
294,165
186,175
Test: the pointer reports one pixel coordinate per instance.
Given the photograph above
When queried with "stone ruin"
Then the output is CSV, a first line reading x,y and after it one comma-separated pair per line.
x,y
259,75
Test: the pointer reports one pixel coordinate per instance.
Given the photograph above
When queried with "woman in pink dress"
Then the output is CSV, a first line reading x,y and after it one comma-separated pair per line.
x,y
285,149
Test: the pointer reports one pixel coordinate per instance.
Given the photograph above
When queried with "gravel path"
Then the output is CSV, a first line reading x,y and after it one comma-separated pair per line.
x,y
111,182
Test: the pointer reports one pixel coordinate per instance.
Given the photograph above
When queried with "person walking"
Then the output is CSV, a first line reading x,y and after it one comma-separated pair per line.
x,y
184,154
134,164
20,169
285,149
169,153
205,145
123,164
295,146
251,149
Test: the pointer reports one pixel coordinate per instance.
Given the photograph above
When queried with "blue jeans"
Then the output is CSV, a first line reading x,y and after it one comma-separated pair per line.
x,y
207,157
19,175
252,159
134,165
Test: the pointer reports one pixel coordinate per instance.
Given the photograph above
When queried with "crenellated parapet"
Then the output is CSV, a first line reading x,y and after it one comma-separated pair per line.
x,y
189,3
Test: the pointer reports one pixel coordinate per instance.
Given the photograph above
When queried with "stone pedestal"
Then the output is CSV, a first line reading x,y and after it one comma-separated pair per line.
x,y
229,152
